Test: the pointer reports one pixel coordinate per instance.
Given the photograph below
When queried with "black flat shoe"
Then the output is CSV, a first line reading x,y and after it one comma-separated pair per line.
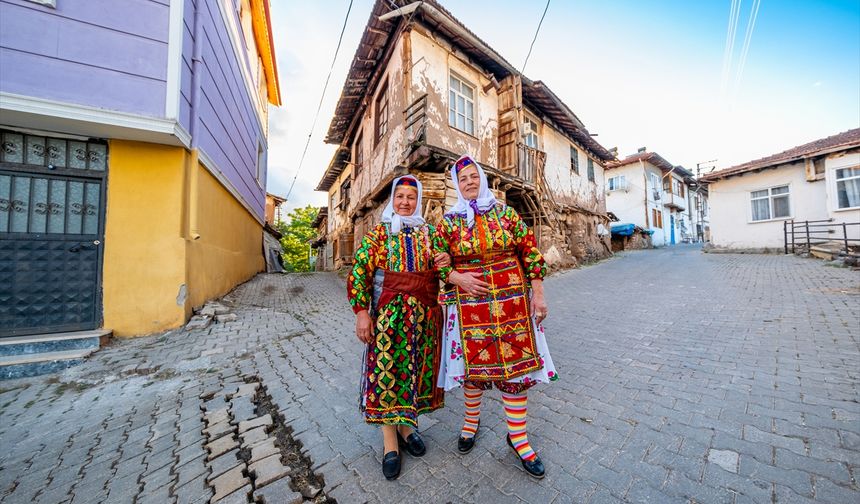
x,y
391,465
413,443
533,467
465,445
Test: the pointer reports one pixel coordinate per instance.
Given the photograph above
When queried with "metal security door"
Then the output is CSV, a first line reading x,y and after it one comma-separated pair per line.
x,y
51,233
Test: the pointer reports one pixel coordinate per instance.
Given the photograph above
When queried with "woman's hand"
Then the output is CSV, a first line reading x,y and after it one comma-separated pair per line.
x,y
470,282
363,325
441,260
539,308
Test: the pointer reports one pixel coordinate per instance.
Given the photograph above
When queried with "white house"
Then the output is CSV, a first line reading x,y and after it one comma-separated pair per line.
x,y
646,190
754,205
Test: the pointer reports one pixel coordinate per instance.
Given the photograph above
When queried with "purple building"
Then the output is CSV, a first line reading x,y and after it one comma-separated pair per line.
x,y
133,160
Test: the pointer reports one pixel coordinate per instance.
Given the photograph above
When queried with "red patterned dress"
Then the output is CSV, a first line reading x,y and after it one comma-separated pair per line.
x,y
393,277
492,338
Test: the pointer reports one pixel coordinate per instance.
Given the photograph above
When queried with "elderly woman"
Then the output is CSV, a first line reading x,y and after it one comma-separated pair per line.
x,y
393,290
493,334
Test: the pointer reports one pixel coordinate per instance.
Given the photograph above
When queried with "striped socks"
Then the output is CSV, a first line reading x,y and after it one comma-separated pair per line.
x,y
473,410
515,411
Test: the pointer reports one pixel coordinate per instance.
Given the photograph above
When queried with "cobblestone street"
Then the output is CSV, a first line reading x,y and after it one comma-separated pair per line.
x,y
685,377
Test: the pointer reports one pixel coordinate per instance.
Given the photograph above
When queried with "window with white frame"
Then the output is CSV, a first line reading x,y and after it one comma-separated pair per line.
x,y
848,187
461,105
617,183
590,170
530,128
655,186
770,203
261,164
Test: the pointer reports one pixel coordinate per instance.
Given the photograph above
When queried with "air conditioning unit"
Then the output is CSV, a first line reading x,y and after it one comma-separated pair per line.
x,y
527,129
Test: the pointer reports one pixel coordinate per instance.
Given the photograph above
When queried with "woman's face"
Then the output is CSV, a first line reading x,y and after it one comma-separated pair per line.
x,y
469,181
405,200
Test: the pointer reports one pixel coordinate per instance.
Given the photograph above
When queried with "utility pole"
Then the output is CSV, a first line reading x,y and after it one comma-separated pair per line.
x,y
700,205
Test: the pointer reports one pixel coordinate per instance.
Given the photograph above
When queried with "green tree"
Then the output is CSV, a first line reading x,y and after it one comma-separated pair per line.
x,y
297,232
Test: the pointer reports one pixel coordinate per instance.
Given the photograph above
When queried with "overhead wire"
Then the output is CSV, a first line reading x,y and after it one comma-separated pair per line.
x,y
523,69
728,50
746,47
322,97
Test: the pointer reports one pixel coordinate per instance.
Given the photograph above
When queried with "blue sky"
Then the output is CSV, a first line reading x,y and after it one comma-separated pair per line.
x,y
637,74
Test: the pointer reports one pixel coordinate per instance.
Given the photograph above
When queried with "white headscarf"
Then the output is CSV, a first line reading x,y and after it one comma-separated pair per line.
x,y
485,200
398,221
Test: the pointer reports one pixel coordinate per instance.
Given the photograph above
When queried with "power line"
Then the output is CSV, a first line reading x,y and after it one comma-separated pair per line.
x,y
746,47
728,50
535,37
319,107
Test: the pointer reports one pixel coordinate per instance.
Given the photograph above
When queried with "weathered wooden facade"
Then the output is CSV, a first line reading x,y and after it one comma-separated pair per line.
x,y
424,90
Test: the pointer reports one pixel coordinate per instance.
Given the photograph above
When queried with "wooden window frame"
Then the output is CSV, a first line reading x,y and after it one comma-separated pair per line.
x,y
657,218
358,154
574,159
345,187
381,115
528,118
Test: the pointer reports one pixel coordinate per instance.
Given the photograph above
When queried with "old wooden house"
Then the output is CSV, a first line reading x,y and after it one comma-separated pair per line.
x,y
424,90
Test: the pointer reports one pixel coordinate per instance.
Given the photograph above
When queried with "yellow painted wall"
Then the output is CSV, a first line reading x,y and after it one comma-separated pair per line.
x,y
153,272
144,256
229,250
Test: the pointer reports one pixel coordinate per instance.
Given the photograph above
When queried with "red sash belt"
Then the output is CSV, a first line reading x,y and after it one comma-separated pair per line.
x,y
423,285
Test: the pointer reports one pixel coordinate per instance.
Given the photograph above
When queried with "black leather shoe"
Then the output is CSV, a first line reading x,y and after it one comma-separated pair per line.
x,y
413,443
465,445
533,467
391,465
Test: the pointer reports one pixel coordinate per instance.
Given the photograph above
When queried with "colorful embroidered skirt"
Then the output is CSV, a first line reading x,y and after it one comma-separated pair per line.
x,y
401,364
493,337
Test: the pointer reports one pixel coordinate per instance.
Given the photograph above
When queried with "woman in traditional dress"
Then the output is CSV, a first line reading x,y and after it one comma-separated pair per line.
x,y
493,334
393,289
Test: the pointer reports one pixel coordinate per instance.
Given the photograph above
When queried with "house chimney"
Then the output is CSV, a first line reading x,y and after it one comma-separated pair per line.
x,y
642,149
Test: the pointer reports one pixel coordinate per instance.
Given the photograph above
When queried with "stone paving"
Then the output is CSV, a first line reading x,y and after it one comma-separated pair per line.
x,y
685,377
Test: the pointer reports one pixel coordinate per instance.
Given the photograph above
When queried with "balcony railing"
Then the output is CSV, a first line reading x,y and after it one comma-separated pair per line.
x,y
674,201
415,118
531,163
